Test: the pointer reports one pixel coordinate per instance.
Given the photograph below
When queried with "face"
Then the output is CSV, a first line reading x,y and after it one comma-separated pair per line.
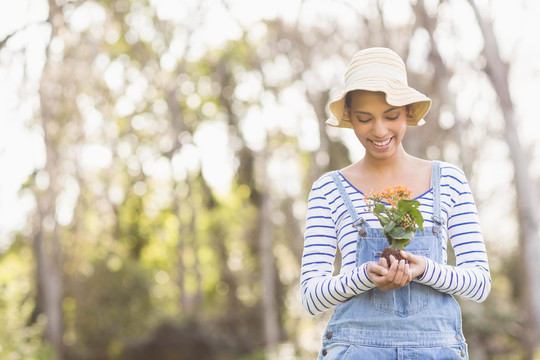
x,y
380,127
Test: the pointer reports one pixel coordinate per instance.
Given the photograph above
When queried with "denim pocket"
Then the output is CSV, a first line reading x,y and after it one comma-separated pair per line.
x,y
404,301
456,352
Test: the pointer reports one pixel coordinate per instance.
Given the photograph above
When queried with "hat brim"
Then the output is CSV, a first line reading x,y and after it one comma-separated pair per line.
x,y
396,94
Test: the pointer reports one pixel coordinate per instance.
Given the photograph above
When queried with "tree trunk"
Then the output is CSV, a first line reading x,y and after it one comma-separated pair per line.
x,y
181,246
268,272
526,191
48,247
50,277
441,79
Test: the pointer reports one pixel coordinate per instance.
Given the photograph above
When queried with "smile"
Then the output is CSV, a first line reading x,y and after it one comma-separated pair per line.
x,y
382,144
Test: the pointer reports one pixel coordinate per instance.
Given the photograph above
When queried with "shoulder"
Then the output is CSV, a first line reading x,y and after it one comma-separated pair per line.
x,y
324,184
324,193
451,172
454,180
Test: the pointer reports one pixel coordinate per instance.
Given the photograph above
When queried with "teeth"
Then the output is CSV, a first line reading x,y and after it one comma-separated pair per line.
x,y
381,143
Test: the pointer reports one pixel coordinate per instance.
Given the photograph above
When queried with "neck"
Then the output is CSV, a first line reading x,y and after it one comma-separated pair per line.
x,y
386,165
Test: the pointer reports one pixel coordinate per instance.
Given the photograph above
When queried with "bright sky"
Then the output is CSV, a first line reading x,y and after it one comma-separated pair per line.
x,y
21,149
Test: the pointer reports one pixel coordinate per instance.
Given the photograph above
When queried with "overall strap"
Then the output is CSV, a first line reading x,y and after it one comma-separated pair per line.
x,y
358,222
436,185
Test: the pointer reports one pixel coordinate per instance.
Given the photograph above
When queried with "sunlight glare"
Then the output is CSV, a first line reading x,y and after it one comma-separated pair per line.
x,y
212,141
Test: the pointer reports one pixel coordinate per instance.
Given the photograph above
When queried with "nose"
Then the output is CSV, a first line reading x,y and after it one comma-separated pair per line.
x,y
379,128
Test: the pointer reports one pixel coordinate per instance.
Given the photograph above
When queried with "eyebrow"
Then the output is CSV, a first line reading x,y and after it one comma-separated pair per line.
x,y
387,111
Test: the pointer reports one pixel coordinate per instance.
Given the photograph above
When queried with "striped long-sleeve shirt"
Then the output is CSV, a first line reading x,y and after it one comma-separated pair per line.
x,y
329,226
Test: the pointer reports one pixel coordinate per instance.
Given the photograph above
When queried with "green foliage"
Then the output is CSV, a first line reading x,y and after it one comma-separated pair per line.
x,y
19,339
399,221
106,306
151,242
133,224
411,207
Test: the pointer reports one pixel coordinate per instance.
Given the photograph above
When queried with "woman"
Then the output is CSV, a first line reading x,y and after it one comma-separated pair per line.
x,y
402,310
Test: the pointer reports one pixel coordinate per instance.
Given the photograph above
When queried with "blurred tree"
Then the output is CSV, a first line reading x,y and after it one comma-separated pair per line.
x,y
54,117
138,250
526,189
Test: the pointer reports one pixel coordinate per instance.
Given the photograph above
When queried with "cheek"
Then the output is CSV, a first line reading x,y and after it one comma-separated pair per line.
x,y
401,128
360,135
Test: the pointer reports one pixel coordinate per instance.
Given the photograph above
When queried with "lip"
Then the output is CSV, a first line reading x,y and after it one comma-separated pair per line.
x,y
382,145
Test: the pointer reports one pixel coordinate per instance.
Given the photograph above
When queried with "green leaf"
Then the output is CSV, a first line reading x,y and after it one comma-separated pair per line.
x,y
382,219
406,206
389,227
397,233
401,243
417,216
379,208
411,207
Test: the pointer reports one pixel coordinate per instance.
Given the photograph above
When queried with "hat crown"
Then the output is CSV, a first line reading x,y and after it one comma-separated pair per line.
x,y
374,63
380,70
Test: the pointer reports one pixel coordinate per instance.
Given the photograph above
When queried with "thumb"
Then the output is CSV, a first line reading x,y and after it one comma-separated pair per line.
x,y
410,257
406,255
377,269
381,270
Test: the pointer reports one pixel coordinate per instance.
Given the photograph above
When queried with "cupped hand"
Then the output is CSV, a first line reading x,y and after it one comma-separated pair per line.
x,y
389,278
417,264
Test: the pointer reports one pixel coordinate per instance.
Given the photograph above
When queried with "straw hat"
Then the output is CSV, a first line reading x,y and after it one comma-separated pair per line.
x,y
379,69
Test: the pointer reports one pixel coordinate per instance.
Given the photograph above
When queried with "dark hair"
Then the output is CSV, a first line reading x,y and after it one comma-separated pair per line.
x,y
348,100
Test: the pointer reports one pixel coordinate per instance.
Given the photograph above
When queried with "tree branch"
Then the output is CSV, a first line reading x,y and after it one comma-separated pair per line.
x,y
4,41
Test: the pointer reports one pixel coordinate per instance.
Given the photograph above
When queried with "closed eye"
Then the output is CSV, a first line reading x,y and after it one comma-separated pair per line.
x,y
363,120
393,116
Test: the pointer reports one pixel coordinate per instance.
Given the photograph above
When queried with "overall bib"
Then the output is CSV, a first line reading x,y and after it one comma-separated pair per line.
x,y
413,322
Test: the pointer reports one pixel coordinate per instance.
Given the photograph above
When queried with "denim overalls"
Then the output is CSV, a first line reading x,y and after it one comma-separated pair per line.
x,y
413,322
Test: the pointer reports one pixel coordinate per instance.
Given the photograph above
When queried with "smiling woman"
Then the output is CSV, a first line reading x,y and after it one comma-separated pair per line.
x,y
380,127
381,307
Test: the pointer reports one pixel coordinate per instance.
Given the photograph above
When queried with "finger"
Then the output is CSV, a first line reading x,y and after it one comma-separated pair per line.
x,y
406,279
400,273
406,275
376,272
392,271
383,263
381,270
407,255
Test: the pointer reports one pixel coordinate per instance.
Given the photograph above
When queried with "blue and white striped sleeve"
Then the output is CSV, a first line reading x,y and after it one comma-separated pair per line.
x,y
320,289
470,277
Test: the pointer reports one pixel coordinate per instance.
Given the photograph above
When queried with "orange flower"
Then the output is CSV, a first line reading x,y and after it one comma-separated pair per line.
x,y
398,215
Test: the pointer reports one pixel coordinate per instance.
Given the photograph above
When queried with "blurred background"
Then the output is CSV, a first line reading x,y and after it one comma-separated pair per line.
x,y
156,157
